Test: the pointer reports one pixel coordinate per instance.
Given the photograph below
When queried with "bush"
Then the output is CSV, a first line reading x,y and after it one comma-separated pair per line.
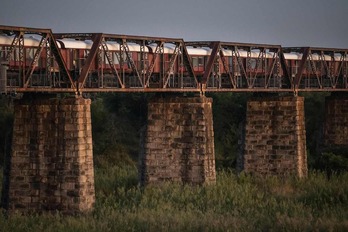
x,y
6,124
235,203
331,162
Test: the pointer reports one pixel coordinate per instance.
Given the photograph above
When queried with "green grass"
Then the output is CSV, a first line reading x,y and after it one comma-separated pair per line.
x,y
235,203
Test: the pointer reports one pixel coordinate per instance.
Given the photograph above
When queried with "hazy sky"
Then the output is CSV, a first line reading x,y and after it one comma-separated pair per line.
x,y
320,23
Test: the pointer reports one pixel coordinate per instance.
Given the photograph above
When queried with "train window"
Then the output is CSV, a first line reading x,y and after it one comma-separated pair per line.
x,y
308,66
170,57
2,53
121,57
194,61
75,53
104,58
319,66
253,63
116,58
236,67
200,61
230,63
30,53
294,68
86,53
144,55
142,63
15,55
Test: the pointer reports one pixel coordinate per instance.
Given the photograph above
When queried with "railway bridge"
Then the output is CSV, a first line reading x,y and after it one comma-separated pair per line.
x,y
51,164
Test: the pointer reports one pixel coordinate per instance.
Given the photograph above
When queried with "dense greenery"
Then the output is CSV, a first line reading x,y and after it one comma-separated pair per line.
x,y
229,110
117,122
235,203
6,122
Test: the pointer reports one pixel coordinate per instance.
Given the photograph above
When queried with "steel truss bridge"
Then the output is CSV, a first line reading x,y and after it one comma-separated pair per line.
x,y
222,73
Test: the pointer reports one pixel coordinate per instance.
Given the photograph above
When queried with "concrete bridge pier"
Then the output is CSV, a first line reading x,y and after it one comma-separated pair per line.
x,y
51,164
275,137
336,122
179,141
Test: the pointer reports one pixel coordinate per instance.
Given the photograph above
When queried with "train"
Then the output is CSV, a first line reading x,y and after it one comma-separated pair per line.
x,y
248,65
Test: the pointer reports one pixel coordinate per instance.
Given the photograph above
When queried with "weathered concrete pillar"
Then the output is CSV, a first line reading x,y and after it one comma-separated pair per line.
x,y
275,137
179,141
336,122
51,165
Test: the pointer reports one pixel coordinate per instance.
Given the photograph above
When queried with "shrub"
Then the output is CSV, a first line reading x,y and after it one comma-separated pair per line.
x,y
235,203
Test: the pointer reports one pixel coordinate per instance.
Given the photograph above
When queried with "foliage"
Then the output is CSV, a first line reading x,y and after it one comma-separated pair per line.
x,y
117,122
234,203
331,162
314,118
229,110
6,122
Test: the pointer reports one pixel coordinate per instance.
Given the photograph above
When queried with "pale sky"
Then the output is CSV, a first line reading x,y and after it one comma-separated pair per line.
x,y
316,23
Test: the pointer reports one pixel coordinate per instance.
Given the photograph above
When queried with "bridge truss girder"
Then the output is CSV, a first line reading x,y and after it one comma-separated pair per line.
x,y
50,75
174,69
320,69
167,68
234,72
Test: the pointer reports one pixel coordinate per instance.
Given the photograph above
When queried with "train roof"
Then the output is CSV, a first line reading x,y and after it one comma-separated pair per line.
x,y
33,40
87,44
29,40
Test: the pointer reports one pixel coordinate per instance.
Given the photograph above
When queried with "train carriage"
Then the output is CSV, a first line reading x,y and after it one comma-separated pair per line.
x,y
133,64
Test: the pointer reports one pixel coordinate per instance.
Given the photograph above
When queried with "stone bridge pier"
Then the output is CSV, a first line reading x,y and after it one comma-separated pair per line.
x,y
179,141
275,137
51,165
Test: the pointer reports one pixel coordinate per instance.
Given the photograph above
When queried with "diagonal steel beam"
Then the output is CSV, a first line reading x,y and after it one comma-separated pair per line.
x,y
328,73
21,58
59,59
125,48
285,68
240,62
113,69
345,69
314,70
35,60
188,63
274,61
171,65
158,51
13,44
97,39
340,70
261,57
227,70
215,49
298,77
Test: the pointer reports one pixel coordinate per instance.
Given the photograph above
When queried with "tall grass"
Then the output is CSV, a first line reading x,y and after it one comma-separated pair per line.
x,y
235,203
